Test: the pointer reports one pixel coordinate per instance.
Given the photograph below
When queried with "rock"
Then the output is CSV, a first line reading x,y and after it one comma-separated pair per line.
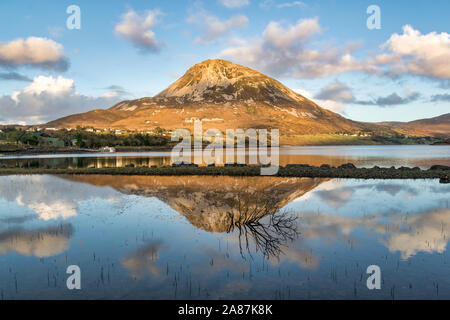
x,y
376,168
129,165
153,167
404,168
211,165
347,166
416,169
439,167
188,164
325,166
295,166
232,164
179,164
445,180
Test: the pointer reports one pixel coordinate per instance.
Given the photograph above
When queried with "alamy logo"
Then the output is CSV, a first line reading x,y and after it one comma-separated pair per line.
x,y
74,20
74,281
374,20
374,281
214,153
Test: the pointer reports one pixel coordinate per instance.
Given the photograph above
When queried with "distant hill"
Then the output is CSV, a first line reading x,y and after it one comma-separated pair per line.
x,y
436,127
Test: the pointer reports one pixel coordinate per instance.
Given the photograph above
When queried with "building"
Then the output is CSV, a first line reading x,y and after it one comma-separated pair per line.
x,y
108,149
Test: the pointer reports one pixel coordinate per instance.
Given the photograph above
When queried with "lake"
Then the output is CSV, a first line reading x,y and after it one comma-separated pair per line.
x,y
194,237
422,156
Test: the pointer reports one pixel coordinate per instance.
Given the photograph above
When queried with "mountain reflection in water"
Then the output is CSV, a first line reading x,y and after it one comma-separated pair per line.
x,y
222,237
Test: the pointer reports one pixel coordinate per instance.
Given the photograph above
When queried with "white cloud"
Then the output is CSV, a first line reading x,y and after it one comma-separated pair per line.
x,y
111,94
47,196
292,51
284,50
336,91
214,28
291,4
421,232
235,3
426,232
42,243
415,53
144,261
136,29
50,85
334,96
326,185
35,52
55,210
115,91
392,99
48,98
333,105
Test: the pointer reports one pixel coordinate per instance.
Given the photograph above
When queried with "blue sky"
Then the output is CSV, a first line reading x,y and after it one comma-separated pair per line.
x,y
275,37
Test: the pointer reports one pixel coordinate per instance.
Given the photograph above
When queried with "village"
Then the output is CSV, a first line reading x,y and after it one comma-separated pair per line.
x,y
15,138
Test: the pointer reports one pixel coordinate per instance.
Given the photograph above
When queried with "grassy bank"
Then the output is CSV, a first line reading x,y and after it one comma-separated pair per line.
x,y
340,140
289,171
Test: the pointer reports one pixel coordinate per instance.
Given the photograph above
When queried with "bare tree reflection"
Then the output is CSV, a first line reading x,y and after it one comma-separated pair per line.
x,y
261,223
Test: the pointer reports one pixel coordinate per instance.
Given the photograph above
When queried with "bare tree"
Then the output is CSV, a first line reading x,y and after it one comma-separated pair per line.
x,y
261,223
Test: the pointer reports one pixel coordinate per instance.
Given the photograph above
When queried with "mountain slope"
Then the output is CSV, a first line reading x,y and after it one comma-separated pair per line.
x,y
224,96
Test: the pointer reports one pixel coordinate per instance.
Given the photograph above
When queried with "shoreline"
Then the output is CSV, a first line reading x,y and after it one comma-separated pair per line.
x,y
347,171
39,152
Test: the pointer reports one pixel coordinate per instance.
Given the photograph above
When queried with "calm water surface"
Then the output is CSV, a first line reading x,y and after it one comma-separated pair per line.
x,y
422,156
223,237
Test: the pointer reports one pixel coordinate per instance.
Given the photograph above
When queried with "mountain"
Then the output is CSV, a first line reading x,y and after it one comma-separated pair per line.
x,y
437,126
224,96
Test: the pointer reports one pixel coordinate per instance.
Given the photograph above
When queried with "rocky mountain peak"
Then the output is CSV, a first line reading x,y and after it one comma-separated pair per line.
x,y
222,81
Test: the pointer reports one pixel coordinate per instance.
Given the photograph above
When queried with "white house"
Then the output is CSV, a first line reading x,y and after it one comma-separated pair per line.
x,y
108,149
